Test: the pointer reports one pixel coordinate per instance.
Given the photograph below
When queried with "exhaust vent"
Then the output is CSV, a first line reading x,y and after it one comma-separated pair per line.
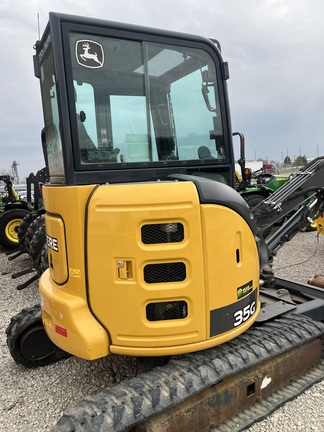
x,y
172,232
166,311
166,272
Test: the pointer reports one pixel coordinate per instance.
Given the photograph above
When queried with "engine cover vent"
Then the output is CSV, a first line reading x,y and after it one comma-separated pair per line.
x,y
166,272
166,311
172,232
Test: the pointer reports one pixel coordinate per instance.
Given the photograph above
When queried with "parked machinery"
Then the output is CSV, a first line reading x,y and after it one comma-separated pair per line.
x,y
151,250
31,231
12,211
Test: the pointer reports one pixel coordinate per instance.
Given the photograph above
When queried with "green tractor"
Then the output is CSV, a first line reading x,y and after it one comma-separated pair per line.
x,y
12,212
261,186
257,186
16,215
31,231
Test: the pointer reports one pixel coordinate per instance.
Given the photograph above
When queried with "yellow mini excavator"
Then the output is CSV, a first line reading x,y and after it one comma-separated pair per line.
x,y
152,253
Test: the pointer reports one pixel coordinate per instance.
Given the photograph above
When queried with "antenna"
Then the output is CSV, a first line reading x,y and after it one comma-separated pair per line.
x,y
38,25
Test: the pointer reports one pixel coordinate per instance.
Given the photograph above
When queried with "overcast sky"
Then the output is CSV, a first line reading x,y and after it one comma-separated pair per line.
x,y
275,50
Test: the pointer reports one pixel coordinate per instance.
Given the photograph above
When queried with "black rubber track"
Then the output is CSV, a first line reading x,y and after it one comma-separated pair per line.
x,y
131,402
19,325
37,243
42,262
23,227
33,227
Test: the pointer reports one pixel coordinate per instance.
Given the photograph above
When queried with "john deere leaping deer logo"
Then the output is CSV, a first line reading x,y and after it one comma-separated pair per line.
x,y
89,54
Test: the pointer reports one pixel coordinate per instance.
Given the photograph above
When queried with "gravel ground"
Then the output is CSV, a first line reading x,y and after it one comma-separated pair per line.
x,y
32,400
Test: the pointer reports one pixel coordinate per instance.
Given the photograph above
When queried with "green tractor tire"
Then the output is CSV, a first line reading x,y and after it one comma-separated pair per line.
x,y
9,223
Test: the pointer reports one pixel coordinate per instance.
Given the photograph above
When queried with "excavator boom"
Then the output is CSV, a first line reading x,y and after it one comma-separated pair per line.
x,y
304,187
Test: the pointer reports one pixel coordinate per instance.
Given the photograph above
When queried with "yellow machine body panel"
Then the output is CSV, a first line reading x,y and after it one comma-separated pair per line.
x,y
319,224
151,270
69,323
131,272
66,315
57,261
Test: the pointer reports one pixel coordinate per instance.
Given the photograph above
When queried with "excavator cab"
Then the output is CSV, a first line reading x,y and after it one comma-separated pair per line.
x,y
151,250
118,105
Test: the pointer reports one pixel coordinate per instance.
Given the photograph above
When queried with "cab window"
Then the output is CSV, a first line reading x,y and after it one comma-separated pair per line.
x,y
142,102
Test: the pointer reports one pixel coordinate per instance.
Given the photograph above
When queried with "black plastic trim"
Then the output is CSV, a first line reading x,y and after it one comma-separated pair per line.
x,y
213,192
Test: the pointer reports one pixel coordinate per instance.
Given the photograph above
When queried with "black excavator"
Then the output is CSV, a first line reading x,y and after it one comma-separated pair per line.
x,y
152,252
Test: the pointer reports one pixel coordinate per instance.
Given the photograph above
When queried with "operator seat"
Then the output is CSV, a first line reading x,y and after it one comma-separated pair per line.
x,y
204,153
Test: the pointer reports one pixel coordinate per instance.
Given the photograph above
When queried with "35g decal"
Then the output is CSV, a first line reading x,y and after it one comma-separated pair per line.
x,y
244,314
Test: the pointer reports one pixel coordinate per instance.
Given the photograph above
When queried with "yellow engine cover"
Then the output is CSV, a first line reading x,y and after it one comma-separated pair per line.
x,y
161,273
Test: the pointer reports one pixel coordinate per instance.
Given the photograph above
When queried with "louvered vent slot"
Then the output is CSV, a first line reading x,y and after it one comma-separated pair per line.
x,y
166,311
166,272
172,232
